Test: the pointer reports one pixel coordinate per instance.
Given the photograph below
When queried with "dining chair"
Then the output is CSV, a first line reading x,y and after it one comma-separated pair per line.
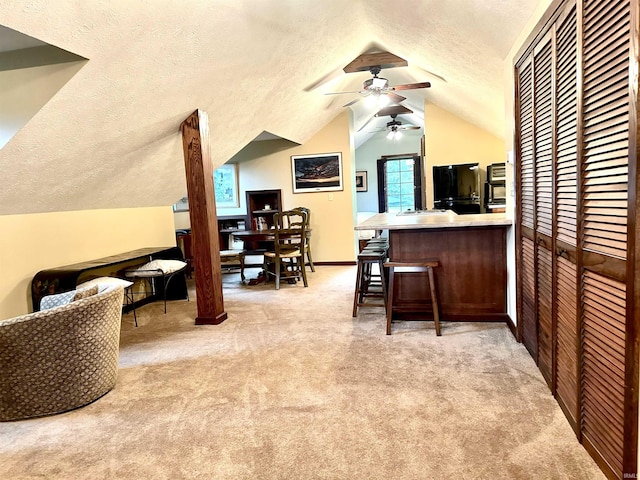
x,y
307,246
286,260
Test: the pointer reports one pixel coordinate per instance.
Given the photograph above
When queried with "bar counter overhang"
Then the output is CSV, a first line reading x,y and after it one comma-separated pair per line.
x,y
472,276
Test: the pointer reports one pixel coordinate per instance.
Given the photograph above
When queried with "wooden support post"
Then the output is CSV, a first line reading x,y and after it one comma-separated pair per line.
x,y
204,222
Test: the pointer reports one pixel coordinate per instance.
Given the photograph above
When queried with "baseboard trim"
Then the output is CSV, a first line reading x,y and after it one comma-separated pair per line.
x,y
512,327
350,262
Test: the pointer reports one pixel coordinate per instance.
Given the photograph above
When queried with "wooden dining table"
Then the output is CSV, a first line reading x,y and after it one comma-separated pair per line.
x,y
258,239
254,235
266,236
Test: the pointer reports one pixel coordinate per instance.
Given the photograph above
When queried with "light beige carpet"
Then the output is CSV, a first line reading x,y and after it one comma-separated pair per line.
x,y
292,387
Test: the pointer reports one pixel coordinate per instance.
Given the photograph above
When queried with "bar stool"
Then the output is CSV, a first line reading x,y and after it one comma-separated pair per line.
x,y
367,282
413,267
377,241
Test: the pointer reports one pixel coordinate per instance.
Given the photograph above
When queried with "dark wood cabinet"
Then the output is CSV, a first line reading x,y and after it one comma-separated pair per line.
x,y
577,233
262,204
229,224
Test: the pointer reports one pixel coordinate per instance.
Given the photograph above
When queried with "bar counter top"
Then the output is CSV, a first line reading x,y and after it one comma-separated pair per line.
x,y
421,220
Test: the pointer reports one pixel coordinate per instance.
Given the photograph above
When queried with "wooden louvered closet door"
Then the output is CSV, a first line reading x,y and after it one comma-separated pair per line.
x,y
565,218
526,202
543,151
576,237
605,167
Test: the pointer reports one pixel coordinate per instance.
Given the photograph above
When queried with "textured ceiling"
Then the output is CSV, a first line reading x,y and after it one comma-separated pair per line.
x,y
110,137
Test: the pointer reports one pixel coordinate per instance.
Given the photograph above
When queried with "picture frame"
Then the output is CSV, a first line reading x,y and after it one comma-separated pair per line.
x,y
361,181
181,205
320,172
225,185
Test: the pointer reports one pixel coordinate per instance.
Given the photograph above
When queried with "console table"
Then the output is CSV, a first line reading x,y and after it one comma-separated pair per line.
x,y
64,279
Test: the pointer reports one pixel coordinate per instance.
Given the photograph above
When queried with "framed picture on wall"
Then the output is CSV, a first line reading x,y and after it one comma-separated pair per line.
x,y
361,181
225,185
317,173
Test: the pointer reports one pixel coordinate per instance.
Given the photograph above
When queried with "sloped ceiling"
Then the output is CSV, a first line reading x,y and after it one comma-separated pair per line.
x,y
110,137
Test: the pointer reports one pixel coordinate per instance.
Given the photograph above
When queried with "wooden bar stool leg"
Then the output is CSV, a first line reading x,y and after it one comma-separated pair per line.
x,y
241,257
390,300
434,300
356,296
383,282
366,276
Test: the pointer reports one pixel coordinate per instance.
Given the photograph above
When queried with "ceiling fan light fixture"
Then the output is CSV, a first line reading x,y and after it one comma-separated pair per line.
x,y
394,134
371,101
383,100
377,100
378,82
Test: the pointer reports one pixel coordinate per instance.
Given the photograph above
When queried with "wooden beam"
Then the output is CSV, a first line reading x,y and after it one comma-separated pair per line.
x,y
204,222
380,59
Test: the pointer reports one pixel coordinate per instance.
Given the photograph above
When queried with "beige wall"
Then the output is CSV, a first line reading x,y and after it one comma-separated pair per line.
x,y
450,140
30,243
267,165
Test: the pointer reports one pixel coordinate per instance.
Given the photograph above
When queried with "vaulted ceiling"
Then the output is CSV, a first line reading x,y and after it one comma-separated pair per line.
x,y
110,136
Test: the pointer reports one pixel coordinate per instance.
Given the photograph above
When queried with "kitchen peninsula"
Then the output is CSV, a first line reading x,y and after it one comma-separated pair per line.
x,y
472,276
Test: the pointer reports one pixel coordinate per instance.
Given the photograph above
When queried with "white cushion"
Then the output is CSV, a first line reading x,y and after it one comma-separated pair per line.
x,y
156,268
105,281
56,300
85,293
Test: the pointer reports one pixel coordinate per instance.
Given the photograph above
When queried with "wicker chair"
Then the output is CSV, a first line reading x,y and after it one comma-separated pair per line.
x,y
61,358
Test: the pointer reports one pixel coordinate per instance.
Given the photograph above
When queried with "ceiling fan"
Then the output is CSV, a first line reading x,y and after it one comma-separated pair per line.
x,y
379,91
396,127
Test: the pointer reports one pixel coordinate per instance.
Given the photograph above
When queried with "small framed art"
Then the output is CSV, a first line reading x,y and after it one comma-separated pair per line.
x,y
361,181
225,184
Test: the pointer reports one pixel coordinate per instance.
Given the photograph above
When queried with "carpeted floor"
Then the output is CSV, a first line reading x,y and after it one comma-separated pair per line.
x,y
290,386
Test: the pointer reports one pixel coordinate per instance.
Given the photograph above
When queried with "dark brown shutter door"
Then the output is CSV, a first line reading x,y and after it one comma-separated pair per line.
x,y
606,126
544,299
528,278
526,145
606,48
565,299
566,140
603,366
567,338
543,139
543,132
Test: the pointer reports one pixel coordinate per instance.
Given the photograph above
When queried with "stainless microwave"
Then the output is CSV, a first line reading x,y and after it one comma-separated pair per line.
x,y
496,172
497,193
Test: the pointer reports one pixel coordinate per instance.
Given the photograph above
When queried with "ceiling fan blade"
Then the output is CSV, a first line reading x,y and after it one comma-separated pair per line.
x,y
395,98
352,102
429,73
367,122
340,93
393,110
324,80
411,86
408,127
